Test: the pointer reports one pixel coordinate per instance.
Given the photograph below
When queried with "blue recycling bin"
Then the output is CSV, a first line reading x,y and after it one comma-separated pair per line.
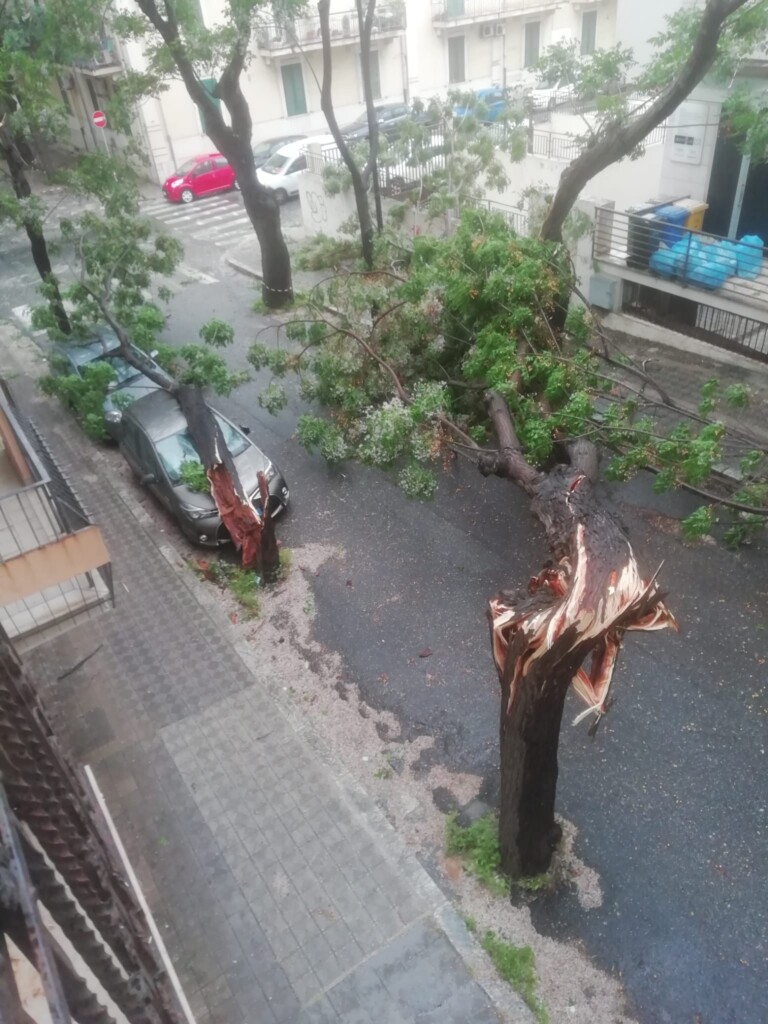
x,y
672,223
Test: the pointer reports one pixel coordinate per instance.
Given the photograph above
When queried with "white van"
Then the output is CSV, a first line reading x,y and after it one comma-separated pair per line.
x,y
282,171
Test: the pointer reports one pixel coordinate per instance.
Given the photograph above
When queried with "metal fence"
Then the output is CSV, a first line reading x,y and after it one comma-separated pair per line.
x,y
301,32
452,10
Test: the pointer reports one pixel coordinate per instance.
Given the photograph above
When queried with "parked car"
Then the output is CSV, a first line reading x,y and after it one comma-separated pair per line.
x,y
388,115
492,103
199,176
282,171
129,383
546,97
155,442
262,151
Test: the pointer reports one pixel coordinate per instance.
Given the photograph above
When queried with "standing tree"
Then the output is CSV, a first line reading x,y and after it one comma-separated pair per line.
x,y
177,43
114,263
361,177
696,41
461,355
36,42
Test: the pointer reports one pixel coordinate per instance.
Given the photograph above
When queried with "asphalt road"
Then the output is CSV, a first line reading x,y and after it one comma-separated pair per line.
x,y
669,799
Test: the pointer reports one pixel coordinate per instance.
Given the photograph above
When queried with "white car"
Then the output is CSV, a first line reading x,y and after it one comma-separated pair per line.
x,y
282,171
546,97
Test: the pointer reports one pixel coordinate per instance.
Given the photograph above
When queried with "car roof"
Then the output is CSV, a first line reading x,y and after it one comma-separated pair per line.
x,y
280,138
158,414
290,149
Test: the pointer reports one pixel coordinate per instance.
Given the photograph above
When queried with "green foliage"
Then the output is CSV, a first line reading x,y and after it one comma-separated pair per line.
x,y
217,333
698,523
515,965
478,845
737,396
319,435
192,475
323,253
244,584
273,398
83,395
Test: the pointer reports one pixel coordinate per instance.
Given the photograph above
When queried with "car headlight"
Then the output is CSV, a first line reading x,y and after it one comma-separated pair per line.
x,y
199,513
113,416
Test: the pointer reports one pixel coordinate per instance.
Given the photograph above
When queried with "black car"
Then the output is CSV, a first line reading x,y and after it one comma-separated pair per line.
x,y
155,443
128,383
262,151
388,115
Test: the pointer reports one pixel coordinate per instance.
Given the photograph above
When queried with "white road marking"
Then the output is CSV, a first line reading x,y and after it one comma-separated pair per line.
x,y
196,275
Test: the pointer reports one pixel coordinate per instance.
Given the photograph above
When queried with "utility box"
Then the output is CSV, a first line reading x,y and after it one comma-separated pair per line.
x,y
603,291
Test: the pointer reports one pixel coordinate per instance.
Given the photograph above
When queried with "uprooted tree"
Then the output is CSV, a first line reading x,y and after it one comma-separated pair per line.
x,y
460,356
210,61
115,261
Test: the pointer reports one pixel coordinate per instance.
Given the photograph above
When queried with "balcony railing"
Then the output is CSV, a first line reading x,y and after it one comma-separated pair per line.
x,y
54,567
103,60
449,12
304,33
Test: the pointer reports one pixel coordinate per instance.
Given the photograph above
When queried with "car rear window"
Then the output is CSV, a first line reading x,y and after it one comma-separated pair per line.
x,y
275,164
178,448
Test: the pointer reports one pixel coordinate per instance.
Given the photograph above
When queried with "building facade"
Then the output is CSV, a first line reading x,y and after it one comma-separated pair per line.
x,y
421,48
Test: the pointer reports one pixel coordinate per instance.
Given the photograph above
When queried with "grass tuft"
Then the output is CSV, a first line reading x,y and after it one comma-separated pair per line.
x,y
478,845
515,964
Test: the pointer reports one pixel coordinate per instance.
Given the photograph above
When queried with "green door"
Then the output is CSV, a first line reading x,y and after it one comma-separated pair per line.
x,y
293,86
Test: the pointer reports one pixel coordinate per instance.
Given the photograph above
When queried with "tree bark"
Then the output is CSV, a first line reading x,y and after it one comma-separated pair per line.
x,y
578,607
326,104
233,142
37,242
620,139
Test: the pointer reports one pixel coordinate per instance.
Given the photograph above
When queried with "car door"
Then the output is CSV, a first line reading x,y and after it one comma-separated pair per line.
x,y
223,175
153,473
292,172
129,446
203,178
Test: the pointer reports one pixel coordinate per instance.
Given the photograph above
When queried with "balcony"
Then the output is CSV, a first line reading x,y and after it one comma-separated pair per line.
x,y
54,567
454,13
303,34
103,61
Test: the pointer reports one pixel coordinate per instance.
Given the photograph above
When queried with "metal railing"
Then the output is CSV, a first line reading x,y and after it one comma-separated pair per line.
x,y
104,56
344,27
445,11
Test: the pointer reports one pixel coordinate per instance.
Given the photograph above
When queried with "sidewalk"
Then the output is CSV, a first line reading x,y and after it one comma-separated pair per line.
x,y
281,892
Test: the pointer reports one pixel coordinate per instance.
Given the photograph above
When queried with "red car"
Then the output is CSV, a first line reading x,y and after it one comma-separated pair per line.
x,y
198,177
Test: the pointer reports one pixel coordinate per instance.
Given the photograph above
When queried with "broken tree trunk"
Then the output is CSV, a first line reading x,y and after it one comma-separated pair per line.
x,y
578,607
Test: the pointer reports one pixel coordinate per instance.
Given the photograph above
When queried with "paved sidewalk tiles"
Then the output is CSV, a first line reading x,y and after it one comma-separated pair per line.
x,y
278,900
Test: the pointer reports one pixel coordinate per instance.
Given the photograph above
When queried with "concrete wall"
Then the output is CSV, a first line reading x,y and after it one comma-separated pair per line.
x,y
687,167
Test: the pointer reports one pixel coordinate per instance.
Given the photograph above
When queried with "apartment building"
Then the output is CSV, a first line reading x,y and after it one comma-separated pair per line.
x,y
420,48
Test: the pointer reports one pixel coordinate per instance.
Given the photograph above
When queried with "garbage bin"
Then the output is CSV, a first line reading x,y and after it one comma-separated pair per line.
x,y
673,220
643,236
695,210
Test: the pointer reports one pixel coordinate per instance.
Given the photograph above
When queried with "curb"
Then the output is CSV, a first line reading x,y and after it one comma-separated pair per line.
x,y
243,268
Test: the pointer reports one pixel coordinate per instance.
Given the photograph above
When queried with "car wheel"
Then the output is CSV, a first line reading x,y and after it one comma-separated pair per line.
x,y
187,195
281,196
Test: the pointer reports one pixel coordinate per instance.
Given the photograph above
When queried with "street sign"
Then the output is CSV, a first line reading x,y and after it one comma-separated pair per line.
x,y
99,118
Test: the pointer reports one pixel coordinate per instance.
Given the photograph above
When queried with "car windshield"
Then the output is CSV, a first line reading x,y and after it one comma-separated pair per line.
x,y
185,168
123,369
275,164
262,149
179,448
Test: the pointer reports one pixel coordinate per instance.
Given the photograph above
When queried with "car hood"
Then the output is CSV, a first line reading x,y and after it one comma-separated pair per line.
x,y
248,465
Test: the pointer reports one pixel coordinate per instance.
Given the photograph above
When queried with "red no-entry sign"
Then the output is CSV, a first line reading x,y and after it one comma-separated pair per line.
x,y
99,118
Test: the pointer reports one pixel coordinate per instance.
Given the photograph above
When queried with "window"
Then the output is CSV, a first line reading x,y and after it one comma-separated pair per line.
x,y
375,75
456,71
178,448
202,168
209,84
92,93
588,31
531,46
455,9
219,162
299,164
293,86
63,89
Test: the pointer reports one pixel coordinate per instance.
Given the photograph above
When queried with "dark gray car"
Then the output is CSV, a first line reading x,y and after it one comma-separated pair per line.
x,y
128,384
388,116
155,442
262,151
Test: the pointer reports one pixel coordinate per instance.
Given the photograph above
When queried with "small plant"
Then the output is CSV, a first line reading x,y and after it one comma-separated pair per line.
x,y
84,395
470,923
478,845
515,966
244,585
325,253
192,474
383,773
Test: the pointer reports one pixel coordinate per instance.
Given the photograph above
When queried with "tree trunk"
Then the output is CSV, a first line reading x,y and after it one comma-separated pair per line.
x,y
326,104
578,607
365,21
232,142
620,139
37,243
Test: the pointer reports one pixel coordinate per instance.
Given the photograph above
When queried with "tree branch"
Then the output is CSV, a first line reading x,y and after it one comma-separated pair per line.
x,y
509,461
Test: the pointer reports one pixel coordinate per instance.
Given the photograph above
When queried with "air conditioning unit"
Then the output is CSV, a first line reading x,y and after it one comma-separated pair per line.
x,y
486,31
499,28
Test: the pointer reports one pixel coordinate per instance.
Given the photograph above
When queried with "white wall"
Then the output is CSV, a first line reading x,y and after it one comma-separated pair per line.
x,y
638,21
687,169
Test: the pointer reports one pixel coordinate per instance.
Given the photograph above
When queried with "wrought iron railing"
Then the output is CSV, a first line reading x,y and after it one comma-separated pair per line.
x,y
303,33
455,10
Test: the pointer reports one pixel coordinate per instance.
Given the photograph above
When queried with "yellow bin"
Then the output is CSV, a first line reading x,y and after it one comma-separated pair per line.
x,y
696,210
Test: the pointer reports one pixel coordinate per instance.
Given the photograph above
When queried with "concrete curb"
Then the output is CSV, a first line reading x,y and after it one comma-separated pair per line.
x,y
243,268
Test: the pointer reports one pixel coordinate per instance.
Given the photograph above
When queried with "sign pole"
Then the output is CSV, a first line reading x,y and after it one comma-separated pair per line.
x,y
99,119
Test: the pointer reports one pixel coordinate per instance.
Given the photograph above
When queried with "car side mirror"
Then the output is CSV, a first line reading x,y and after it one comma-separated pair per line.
x,y
147,478
244,428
